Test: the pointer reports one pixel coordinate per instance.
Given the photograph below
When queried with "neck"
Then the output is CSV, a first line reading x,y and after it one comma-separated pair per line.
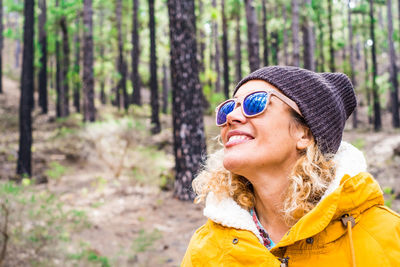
x,y
269,196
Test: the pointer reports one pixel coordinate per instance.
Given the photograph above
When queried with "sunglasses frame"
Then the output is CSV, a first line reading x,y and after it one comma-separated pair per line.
x,y
241,99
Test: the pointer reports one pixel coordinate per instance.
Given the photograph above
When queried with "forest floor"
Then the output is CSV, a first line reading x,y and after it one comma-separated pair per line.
x,y
118,178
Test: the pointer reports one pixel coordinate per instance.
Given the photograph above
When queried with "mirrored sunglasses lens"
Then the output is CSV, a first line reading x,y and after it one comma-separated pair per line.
x,y
255,103
223,111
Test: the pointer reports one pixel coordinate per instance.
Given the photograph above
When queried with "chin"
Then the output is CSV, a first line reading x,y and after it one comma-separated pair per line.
x,y
233,163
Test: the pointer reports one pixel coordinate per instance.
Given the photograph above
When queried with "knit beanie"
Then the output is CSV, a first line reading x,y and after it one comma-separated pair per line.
x,y
325,100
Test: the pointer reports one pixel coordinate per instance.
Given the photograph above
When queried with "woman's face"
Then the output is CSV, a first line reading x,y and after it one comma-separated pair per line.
x,y
263,142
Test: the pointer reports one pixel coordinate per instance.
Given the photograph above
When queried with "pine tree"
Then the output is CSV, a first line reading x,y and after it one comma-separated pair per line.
x,y
188,126
25,108
89,112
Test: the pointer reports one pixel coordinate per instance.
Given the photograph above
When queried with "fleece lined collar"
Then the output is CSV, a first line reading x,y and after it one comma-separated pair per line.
x,y
349,160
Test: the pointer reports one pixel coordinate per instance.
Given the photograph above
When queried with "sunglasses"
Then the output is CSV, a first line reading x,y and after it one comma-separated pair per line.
x,y
252,104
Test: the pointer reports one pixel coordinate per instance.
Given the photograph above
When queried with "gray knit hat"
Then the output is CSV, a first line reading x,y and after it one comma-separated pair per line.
x,y
326,100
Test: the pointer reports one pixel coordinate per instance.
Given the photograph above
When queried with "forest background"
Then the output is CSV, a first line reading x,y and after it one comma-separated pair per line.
x,y
106,112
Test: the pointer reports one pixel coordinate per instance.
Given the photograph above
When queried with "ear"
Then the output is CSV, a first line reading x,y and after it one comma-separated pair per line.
x,y
304,138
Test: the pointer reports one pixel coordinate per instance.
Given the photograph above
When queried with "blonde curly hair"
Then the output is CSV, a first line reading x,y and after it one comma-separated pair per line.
x,y
308,181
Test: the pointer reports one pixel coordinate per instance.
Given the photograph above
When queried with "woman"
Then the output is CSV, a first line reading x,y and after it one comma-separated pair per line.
x,y
285,190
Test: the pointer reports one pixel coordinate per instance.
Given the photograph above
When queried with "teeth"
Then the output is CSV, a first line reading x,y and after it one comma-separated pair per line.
x,y
239,137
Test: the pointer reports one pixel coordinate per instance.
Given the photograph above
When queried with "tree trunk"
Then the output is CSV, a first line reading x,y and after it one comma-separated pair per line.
x,y
375,93
352,78
58,76
331,49
321,58
295,33
58,69
77,82
367,73
202,39
252,36
238,47
1,46
285,36
25,115
225,49
358,48
17,53
188,127
136,96
65,68
393,70
101,55
265,32
121,87
165,89
155,120
275,47
42,79
308,38
89,112
217,55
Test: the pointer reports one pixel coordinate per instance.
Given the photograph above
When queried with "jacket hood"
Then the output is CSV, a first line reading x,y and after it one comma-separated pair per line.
x,y
351,192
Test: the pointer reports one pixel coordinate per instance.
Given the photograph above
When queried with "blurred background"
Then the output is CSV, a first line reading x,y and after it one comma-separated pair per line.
x,y
106,112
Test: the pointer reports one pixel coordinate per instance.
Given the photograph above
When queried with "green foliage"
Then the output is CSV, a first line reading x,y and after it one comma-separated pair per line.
x,y
390,196
359,143
145,240
161,163
38,223
55,171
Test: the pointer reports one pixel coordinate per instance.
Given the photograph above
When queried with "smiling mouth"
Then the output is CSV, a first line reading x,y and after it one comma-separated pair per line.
x,y
237,139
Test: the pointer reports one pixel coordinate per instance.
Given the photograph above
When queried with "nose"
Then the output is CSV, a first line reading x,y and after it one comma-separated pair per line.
x,y
236,116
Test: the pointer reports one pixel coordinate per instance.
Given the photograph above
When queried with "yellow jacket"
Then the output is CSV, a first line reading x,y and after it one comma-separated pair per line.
x,y
320,238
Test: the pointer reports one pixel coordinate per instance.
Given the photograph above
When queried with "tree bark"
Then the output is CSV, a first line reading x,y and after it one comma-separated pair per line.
x,y
367,73
238,47
58,69
308,38
352,78
25,115
65,68
252,36
375,93
331,49
58,76
165,89
17,53
275,47
188,127
101,55
77,83
155,120
121,87
393,70
225,49
42,79
136,95
89,112
217,55
202,42
265,32
295,33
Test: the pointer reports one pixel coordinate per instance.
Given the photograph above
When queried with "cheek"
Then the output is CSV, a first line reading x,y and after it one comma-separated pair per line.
x,y
223,132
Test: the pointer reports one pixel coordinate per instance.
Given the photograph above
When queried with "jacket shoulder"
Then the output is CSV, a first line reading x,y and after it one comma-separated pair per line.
x,y
383,225
206,245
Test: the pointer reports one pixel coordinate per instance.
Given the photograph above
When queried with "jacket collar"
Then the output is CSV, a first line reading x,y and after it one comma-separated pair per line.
x,y
349,162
